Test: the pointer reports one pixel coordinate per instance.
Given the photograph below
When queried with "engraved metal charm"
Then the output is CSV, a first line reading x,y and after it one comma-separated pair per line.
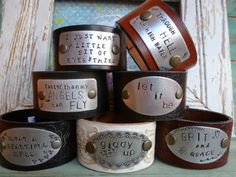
x,y
28,146
67,95
152,95
118,149
162,37
198,144
89,48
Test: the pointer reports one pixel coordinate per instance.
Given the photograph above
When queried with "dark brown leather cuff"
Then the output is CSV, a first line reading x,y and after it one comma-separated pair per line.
x,y
151,95
199,141
89,47
157,38
64,95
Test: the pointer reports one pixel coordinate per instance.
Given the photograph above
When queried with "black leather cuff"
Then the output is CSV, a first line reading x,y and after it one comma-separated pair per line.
x,y
70,95
89,47
27,143
150,95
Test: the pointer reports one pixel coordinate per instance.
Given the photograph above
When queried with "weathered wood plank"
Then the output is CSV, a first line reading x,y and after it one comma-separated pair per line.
x,y
24,44
209,82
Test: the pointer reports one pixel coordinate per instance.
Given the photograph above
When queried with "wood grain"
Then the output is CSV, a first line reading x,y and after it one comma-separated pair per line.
x,y
24,44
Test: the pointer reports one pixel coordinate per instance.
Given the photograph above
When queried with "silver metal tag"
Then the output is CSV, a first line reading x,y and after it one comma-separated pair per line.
x,y
29,146
89,48
67,95
198,144
161,36
152,95
118,149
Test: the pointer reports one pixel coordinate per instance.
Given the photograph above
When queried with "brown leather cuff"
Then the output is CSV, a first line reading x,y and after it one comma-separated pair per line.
x,y
157,38
199,141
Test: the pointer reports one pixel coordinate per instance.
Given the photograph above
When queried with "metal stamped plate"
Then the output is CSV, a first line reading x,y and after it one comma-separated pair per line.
x,y
67,95
197,144
89,48
161,37
118,149
152,95
29,146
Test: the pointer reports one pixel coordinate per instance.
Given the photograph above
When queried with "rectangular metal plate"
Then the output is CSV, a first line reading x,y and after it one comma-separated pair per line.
x,y
161,37
89,48
66,95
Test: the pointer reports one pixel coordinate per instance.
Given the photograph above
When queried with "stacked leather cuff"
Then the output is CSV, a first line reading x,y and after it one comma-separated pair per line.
x,y
28,143
152,95
89,47
200,141
157,38
67,95
114,147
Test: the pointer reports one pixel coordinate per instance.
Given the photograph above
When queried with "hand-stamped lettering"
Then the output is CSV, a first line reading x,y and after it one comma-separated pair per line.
x,y
28,146
70,95
197,144
117,149
162,37
153,98
89,48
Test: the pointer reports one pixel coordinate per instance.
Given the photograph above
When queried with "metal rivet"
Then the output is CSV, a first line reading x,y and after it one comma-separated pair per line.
x,y
147,145
2,146
125,94
90,147
56,144
170,139
225,143
145,16
179,94
92,94
41,95
63,48
175,60
115,50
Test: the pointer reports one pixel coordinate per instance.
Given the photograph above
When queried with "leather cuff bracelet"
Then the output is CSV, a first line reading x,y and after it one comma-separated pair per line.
x,y
150,95
115,147
89,47
70,95
200,141
157,38
29,144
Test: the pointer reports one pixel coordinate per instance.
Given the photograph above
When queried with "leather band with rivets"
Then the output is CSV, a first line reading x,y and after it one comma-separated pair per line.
x,y
63,95
28,143
199,141
157,38
89,47
150,95
112,145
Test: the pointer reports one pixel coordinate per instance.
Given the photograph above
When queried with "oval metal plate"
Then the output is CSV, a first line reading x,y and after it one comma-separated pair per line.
x,y
66,95
118,149
198,144
152,95
89,48
162,37
28,146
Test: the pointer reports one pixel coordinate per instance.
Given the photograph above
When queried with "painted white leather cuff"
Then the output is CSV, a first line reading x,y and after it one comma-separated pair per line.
x,y
115,147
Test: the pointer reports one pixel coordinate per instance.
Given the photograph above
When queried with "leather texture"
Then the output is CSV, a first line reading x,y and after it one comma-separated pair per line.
x,y
137,47
193,117
66,130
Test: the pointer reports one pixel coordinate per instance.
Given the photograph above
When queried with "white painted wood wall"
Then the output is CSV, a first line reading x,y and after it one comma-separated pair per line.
x,y
25,38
